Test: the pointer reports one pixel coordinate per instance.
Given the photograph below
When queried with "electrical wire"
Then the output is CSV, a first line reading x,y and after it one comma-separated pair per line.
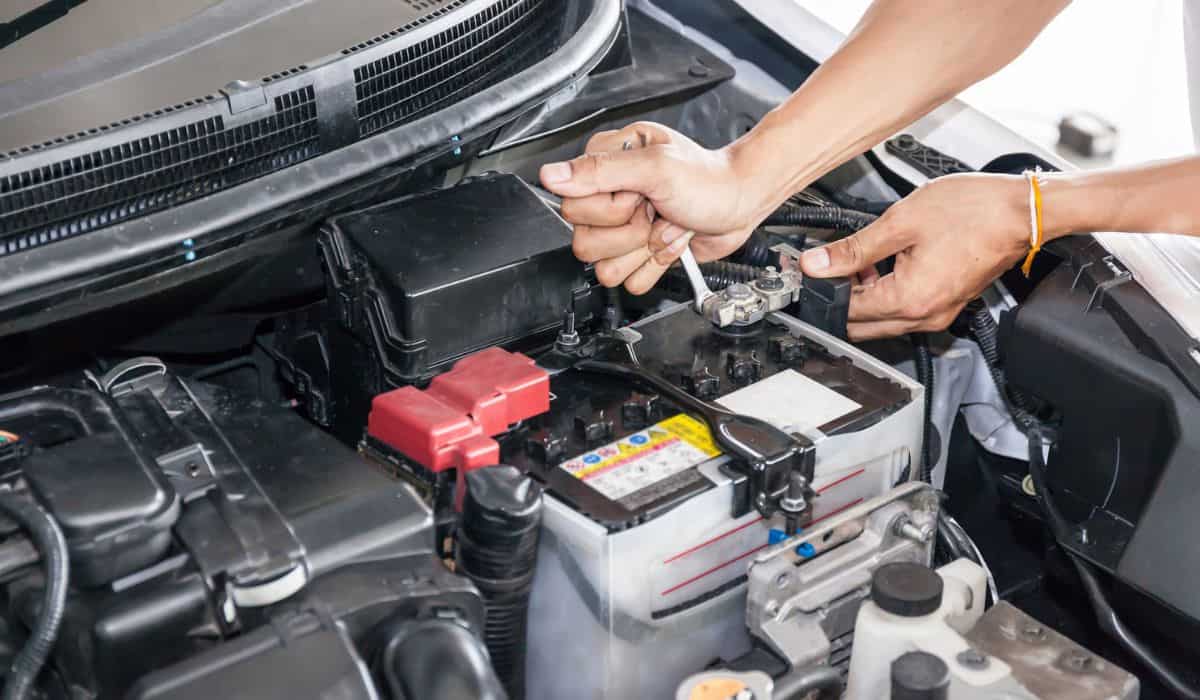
x,y
835,218
1106,616
972,552
48,538
923,362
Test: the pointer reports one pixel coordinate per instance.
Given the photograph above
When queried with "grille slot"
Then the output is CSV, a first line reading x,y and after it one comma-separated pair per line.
x,y
494,44
132,179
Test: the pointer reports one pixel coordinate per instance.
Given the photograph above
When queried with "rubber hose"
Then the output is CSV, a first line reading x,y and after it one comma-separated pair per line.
x,y
756,251
867,206
820,217
923,360
987,335
826,679
1106,617
498,535
950,540
48,539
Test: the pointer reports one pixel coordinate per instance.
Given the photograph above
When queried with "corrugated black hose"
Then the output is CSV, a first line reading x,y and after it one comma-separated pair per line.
x,y
1105,615
48,538
923,360
718,274
987,335
821,217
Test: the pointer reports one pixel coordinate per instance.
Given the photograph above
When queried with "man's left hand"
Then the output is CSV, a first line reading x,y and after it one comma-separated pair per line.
x,y
951,238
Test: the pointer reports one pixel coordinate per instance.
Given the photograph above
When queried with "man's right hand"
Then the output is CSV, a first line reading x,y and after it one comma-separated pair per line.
x,y
639,194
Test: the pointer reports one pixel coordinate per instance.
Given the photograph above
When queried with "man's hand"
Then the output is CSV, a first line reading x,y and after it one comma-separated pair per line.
x,y
951,239
639,194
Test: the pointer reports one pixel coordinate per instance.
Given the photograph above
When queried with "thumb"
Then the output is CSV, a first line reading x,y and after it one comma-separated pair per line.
x,y
854,253
608,171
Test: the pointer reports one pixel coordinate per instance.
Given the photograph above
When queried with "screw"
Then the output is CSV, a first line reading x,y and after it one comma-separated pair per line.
x,y
794,502
1033,633
193,470
973,659
783,580
772,608
568,337
906,529
698,70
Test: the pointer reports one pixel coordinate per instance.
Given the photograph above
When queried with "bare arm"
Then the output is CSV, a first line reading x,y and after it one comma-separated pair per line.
x,y
1151,198
903,60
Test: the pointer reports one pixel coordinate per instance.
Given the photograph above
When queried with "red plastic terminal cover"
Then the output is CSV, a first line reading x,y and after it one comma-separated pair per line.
x,y
450,424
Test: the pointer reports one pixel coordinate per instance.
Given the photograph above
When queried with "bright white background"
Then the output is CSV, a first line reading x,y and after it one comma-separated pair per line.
x,y
1121,59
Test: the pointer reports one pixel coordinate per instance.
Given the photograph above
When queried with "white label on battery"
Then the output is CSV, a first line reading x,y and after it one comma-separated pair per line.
x,y
790,401
645,458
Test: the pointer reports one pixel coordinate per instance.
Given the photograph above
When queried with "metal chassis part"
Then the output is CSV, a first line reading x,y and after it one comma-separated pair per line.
x,y
805,592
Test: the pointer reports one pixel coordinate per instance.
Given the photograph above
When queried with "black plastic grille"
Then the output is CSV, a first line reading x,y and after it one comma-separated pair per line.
x,y
491,46
135,178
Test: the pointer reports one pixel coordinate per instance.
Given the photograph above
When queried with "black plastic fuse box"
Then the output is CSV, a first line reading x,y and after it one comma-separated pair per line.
x,y
428,278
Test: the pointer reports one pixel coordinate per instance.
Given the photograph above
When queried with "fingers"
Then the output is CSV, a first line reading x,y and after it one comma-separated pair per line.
x,y
645,277
638,170
612,272
893,306
857,252
593,244
602,209
883,300
875,330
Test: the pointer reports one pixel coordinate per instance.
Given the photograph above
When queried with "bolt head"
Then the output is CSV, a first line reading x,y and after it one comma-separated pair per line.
x,y
972,659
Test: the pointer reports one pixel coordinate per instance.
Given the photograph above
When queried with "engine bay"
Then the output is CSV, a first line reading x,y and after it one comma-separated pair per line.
x,y
417,450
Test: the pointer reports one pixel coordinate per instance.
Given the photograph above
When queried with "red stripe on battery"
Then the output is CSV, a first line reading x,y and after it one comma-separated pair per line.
x,y
719,537
629,458
842,480
738,558
713,570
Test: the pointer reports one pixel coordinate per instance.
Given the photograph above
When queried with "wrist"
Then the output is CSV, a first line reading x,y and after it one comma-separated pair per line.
x,y
1068,205
768,168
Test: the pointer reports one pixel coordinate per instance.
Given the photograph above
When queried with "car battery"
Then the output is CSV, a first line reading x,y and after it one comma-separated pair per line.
x,y
642,565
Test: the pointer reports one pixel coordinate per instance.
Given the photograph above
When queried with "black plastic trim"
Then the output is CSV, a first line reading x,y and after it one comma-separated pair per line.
x,y
34,280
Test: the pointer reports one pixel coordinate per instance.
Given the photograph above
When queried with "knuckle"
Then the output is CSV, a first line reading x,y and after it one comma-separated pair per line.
x,y
599,139
921,309
582,248
607,276
852,251
570,210
638,287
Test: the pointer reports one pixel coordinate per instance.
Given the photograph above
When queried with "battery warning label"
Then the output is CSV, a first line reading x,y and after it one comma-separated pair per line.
x,y
645,458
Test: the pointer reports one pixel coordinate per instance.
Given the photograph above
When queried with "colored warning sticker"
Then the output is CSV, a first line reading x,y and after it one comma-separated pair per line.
x,y
646,457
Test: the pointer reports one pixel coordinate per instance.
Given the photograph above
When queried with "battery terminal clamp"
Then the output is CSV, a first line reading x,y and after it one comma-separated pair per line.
x,y
765,456
823,303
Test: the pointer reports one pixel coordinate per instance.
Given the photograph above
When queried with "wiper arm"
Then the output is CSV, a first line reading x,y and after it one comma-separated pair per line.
x,y
39,17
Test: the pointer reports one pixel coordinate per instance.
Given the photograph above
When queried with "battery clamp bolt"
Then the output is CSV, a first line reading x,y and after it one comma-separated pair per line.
x,y
770,280
905,528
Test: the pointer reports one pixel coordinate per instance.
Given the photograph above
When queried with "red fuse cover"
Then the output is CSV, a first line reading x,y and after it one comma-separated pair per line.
x,y
450,424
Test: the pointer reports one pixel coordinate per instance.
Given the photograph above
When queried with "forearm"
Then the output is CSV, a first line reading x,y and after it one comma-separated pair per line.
x,y
1152,198
902,60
